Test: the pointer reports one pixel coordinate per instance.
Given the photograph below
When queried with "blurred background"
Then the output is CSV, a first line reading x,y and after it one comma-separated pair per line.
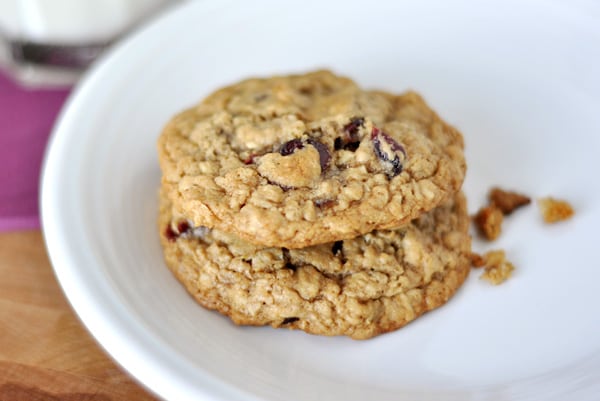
x,y
45,46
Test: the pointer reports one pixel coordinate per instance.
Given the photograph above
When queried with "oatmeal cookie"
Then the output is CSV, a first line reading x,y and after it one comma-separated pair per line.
x,y
302,160
357,287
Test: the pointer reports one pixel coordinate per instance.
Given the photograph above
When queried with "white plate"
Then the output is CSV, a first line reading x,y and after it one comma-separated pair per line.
x,y
520,79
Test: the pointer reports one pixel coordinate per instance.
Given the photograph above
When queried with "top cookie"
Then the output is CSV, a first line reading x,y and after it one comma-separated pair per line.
x,y
302,160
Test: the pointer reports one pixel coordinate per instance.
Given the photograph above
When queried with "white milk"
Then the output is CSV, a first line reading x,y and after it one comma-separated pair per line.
x,y
34,34
71,21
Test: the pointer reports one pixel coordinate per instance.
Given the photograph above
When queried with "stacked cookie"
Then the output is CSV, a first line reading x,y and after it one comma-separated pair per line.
x,y
306,202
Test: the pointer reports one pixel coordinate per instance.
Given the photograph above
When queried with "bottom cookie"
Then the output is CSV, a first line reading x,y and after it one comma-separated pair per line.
x,y
359,287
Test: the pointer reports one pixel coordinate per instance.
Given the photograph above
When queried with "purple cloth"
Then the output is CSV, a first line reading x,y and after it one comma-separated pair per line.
x,y
26,118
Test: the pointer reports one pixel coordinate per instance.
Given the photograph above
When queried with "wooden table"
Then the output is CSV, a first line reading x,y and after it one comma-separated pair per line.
x,y
45,352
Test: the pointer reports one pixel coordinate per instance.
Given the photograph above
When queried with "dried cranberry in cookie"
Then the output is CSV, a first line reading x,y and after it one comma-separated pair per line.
x,y
290,147
390,152
350,139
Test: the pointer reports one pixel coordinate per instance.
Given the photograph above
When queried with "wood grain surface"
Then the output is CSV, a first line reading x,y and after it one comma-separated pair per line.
x,y
45,352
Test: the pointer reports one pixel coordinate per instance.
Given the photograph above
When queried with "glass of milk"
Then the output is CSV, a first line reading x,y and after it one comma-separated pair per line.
x,y
50,42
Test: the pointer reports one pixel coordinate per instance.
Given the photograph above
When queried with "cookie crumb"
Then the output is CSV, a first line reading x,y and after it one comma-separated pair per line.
x,y
489,222
554,210
497,268
477,260
507,201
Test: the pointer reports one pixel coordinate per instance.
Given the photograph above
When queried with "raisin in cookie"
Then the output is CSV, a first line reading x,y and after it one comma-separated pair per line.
x,y
358,287
302,160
